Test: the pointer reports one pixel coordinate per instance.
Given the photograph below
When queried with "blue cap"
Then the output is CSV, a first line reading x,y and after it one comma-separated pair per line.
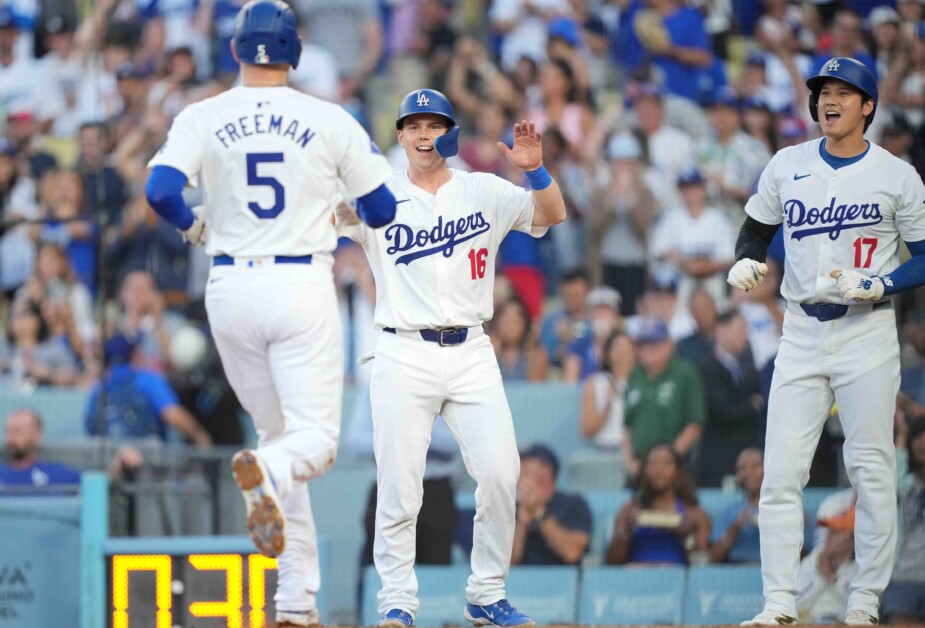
x,y
646,90
651,329
119,349
690,176
544,454
132,70
664,280
756,58
565,29
756,102
726,97
7,20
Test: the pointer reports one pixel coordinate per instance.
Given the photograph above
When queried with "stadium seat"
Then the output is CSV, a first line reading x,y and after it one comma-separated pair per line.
x,y
722,594
642,596
548,594
441,591
604,507
714,500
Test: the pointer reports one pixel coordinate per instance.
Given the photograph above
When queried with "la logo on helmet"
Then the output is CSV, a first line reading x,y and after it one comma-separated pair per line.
x,y
832,66
423,100
261,56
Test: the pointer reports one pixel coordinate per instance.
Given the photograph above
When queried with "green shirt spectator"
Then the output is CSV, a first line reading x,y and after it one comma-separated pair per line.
x,y
664,396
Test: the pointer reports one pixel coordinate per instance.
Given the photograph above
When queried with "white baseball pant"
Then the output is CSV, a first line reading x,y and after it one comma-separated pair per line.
x,y
412,382
854,361
278,333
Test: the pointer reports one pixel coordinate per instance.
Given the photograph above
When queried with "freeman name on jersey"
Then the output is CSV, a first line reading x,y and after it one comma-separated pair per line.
x,y
832,218
263,124
443,238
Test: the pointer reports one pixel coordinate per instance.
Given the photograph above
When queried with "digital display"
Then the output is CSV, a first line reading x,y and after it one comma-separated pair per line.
x,y
205,590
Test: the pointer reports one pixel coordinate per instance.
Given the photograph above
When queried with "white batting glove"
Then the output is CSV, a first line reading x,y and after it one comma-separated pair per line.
x,y
195,234
746,274
857,287
344,214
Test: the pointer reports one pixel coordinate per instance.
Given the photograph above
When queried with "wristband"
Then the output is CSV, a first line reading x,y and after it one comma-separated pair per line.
x,y
539,179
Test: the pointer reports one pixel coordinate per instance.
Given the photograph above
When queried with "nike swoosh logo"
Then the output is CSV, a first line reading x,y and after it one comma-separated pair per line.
x,y
404,200
214,279
797,177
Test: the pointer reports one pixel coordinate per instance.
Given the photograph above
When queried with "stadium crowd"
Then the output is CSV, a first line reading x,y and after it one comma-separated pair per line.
x,y
658,117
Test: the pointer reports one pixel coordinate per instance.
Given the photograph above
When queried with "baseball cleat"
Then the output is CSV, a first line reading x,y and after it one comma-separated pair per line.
x,y
770,618
500,614
860,618
266,523
298,619
396,618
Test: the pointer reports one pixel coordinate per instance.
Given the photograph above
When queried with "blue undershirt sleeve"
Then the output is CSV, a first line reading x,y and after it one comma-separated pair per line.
x,y
165,194
377,208
910,274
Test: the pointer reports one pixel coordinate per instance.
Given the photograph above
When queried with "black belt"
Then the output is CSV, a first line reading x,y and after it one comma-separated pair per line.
x,y
444,337
227,260
830,311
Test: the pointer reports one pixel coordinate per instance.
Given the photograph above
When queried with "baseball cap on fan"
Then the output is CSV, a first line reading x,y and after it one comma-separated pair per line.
x,y
543,454
623,146
603,296
650,330
883,15
566,29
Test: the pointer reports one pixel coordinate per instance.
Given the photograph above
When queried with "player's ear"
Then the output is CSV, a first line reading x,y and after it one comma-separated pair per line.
x,y
398,135
234,53
867,106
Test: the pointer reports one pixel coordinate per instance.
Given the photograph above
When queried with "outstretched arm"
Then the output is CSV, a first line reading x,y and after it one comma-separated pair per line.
x,y
527,154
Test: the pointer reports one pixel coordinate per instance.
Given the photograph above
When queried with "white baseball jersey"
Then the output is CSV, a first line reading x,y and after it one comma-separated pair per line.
x,y
269,159
849,218
435,264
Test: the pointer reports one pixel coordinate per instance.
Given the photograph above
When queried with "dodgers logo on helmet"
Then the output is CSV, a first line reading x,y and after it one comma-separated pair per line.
x,y
432,101
265,32
850,71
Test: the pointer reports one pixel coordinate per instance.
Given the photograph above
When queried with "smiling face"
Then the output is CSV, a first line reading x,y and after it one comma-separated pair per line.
x,y
417,136
842,109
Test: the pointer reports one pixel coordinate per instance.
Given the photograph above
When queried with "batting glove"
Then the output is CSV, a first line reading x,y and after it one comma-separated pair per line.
x,y
746,274
857,287
195,234
344,213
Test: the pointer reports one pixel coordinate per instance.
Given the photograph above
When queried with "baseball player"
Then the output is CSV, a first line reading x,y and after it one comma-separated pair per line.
x,y
434,268
844,203
268,159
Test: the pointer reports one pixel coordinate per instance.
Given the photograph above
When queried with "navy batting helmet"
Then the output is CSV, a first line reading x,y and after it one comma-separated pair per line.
x,y
432,101
265,32
850,71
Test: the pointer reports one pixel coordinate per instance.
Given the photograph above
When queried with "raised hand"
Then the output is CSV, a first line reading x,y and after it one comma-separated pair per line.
x,y
527,153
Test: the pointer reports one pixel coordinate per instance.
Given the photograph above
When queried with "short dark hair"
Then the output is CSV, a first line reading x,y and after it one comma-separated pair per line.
x,y
727,317
576,274
545,455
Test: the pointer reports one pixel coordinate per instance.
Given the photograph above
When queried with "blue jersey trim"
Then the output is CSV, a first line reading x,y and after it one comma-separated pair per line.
x,y
840,162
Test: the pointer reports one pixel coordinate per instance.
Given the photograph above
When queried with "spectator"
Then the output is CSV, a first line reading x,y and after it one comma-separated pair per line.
x,y
23,439
138,403
352,31
906,81
17,203
553,528
620,225
846,42
585,353
522,26
474,80
519,356
826,572
758,122
699,345
664,397
778,32
904,598
32,356
62,70
317,72
729,159
669,150
674,42
697,241
55,281
68,225
883,23
481,152
145,318
561,106
912,12
735,533
733,400
568,239
565,325
603,404
436,39
663,522
104,189
564,43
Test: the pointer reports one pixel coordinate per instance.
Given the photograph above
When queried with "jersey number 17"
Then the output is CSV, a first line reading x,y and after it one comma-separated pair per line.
x,y
859,246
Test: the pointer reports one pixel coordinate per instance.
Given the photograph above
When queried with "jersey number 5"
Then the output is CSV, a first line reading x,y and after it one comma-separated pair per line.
x,y
477,262
279,193
859,245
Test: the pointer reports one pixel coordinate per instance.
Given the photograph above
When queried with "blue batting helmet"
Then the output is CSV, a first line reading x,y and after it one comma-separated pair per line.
x,y
265,32
432,101
850,71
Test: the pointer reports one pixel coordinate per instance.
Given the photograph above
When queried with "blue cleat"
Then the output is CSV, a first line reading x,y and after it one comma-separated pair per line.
x,y
500,614
396,618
